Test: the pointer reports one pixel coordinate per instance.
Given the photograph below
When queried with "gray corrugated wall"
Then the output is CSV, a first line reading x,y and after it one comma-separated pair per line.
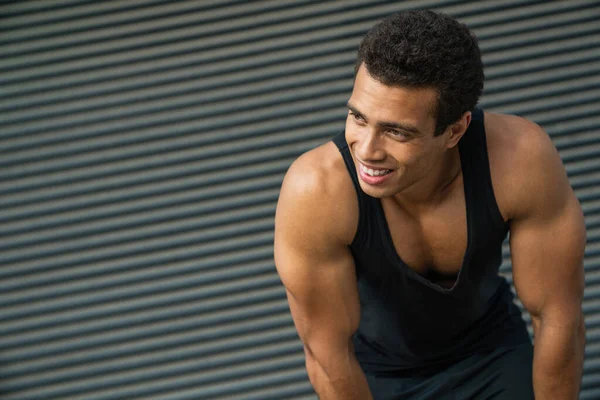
x,y
142,147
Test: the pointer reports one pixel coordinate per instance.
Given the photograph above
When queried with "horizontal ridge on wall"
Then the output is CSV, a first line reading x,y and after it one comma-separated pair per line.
x,y
142,151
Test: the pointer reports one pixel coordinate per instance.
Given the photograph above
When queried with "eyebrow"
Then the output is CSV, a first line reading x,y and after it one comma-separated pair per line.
x,y
386,124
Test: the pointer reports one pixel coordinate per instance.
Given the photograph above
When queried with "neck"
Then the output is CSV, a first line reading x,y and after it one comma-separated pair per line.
x,y
434,187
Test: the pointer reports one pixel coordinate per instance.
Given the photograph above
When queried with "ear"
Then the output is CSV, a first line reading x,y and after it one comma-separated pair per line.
x,y
457,130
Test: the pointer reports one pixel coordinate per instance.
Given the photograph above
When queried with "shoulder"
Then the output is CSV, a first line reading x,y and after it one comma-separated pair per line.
x,y
524,163
516,142
318,198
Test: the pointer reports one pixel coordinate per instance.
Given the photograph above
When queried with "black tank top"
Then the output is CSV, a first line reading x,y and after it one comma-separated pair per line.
x,y
410,324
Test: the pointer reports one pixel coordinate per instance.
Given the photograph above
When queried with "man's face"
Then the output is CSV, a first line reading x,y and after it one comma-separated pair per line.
x,y
390,133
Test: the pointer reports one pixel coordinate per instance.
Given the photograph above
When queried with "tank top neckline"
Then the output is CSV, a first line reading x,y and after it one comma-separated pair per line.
x,y
388,242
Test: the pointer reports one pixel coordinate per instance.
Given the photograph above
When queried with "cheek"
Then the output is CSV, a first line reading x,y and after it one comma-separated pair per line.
x,y
351,126
406,155
353,133
424,163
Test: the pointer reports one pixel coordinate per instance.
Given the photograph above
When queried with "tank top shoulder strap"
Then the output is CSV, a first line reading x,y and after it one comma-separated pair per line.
x,y
474,154
342,145
364,201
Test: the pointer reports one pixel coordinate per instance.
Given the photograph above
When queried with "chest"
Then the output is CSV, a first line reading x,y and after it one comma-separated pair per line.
x,y
432,243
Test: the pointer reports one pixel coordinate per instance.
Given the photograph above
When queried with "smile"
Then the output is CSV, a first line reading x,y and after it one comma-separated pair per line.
x,y
374,172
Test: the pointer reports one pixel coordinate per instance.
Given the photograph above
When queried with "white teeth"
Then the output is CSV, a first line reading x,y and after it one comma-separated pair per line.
x,y
377,172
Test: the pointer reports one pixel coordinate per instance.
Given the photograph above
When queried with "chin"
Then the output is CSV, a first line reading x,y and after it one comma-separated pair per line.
x,y
376,192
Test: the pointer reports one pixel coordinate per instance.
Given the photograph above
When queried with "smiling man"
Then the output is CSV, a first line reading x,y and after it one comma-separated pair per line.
x,y
388,239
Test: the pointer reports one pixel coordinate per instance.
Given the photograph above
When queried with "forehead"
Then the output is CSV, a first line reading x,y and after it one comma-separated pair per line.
x,y
380,102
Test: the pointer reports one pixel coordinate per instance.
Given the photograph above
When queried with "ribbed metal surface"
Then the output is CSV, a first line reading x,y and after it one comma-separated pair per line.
x,y
142,147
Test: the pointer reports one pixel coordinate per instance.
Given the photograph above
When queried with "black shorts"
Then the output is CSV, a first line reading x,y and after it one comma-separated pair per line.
x,y
502,374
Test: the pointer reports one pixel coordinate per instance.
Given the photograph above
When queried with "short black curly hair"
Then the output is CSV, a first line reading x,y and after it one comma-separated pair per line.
x,y
422,48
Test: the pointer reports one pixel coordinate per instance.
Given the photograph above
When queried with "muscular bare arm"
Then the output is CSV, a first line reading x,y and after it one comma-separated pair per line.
x,y
312,233
547,244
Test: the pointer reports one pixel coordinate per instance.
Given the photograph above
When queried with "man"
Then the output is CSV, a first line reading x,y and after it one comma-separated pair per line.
x,y
388,239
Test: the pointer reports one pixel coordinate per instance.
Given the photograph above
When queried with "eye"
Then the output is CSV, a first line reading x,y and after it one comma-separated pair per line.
x,y
356,117
398,134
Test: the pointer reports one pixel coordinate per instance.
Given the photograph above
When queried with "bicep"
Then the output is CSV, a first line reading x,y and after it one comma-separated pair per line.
x,y
547,258
323,298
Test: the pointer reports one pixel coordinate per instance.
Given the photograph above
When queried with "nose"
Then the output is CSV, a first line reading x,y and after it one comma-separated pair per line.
x,y
370,147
